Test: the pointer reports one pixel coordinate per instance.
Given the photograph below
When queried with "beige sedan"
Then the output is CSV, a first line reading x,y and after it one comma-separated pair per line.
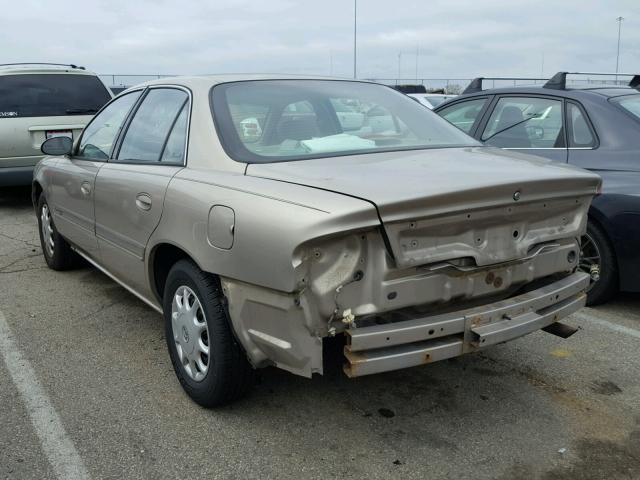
x,y
259,224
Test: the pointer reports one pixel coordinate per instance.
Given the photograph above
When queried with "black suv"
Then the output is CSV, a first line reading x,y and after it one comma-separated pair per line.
x,y
596,128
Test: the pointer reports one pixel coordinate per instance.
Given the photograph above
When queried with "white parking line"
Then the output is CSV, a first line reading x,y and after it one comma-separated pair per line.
x,y
611,326
57,446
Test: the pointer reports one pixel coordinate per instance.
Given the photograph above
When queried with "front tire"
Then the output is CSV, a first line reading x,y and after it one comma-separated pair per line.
x,y
210,364
56,250
598,259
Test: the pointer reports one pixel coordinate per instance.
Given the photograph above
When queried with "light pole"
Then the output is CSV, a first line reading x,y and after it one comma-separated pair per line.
x,y
619,20
355,34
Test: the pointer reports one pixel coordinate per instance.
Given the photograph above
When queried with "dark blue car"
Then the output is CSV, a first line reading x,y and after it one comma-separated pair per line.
x,y
596,128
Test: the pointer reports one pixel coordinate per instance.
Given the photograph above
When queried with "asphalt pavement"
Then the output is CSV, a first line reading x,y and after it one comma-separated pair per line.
x,y
87,391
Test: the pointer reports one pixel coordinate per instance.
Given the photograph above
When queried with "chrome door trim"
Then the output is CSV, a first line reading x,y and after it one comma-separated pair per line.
x,y
100,236
547,148
116,279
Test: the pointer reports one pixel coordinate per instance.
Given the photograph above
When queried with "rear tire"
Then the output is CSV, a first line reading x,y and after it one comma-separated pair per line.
x,y
56,250
595,242
196,321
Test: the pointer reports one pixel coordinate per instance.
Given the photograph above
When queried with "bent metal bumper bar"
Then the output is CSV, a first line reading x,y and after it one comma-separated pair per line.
x,y
393,346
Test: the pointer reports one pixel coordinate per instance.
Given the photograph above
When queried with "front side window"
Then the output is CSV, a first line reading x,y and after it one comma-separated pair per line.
x,y
580,135
148,131
464,114
98,137
51,95
280,120
525,123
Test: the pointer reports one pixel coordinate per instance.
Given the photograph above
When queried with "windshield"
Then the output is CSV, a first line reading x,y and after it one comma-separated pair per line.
x,y
630,103
279,120
51,95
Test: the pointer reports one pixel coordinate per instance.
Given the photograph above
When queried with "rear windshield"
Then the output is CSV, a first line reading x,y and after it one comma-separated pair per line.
x,y
279,120
630,103
51,95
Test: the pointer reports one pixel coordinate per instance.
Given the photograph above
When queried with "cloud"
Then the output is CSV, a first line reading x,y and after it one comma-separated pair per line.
x,y
455,39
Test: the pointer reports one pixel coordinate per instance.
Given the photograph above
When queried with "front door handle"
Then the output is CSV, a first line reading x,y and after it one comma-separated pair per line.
x,y
143,201
85,188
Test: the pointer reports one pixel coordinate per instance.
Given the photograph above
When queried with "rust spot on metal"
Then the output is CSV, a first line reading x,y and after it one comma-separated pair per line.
x,y
489,278
497,282
427,357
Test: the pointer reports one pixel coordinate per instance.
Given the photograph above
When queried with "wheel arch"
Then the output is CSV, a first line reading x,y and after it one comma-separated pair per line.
x,y
162,257
36,191
597,217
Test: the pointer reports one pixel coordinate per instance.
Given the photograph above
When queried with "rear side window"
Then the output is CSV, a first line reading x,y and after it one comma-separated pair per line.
x,y
525,123
148,131
579,132
174,149
464,114
51,95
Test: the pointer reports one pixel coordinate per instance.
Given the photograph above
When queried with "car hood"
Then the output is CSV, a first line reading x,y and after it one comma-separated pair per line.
x,y
416,183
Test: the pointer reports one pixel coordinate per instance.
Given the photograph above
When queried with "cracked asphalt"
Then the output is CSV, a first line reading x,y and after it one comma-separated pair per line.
x,y
536,408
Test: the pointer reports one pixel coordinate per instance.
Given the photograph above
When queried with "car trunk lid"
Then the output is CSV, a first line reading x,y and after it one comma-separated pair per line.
x,y
480,204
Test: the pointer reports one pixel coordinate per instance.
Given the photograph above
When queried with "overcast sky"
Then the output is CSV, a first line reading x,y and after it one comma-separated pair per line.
x,y
461,38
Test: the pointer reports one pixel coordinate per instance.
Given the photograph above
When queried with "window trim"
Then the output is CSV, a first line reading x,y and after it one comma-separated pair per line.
x,y
480,118
132,113
76,148
494,103
569,126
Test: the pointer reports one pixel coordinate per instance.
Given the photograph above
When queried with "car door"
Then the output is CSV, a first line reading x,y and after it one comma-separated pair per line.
x,y
71,189
529,124
130,188
465,115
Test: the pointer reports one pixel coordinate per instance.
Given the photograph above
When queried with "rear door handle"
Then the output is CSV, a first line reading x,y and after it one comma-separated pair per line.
x,y
85,188
143,201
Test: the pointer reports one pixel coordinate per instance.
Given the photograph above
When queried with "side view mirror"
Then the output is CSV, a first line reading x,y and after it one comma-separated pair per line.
x,y
57,146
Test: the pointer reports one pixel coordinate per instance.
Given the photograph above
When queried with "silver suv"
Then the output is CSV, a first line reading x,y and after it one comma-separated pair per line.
x,y
37,102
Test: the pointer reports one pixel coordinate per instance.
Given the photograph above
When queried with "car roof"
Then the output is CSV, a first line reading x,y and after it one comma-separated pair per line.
x,y
432,94
576,93
200,81
41,68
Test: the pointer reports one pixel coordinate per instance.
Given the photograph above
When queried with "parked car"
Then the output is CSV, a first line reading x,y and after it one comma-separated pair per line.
x,y
431,100
414,244
596,128
40,101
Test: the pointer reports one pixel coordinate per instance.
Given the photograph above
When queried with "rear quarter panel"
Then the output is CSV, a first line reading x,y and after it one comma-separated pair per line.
x,y
272,219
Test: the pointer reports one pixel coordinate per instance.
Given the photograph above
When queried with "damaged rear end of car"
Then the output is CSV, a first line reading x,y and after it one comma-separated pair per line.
x,y
450,268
